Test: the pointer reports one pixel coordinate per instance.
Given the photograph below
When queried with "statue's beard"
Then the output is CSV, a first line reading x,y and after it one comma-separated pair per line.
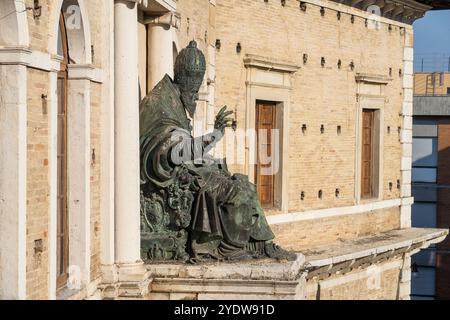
x,y
189,102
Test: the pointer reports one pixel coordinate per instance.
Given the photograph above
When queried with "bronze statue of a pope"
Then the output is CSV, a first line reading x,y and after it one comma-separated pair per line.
x,y
192,207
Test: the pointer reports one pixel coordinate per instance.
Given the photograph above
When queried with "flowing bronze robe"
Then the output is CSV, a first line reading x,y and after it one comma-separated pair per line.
x,y
226,214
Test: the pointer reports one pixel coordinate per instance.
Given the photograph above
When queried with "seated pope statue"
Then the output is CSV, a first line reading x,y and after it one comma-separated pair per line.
x,y
216,214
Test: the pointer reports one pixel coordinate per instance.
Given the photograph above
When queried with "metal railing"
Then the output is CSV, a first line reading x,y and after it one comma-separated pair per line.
x,y
432,62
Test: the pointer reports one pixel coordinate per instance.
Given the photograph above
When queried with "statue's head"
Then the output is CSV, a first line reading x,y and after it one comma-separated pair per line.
x,y
190,67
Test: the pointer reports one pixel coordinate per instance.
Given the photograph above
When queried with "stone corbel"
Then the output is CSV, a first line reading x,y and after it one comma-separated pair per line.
x,y
170,19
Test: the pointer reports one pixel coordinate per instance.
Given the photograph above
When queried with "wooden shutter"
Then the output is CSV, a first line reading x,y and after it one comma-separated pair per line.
x,y
367,164
265,123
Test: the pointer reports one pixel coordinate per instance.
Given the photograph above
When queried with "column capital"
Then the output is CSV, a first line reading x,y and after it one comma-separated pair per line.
x,y
141,2
170,19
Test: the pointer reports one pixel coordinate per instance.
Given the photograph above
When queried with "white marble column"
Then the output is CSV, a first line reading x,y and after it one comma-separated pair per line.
x,y
160,47
127,210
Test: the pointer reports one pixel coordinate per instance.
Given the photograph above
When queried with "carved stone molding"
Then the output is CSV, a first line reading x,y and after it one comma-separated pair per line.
x,y
372,78
170,19
256,61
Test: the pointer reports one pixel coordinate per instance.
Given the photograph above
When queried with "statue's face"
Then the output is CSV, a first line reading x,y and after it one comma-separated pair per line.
x,y
189,95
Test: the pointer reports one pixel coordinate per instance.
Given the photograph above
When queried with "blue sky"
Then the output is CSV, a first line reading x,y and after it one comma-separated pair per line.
x,y
432,41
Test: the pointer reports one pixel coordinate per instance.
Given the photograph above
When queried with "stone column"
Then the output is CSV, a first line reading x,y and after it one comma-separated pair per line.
x,y
13,170
160,47
126,120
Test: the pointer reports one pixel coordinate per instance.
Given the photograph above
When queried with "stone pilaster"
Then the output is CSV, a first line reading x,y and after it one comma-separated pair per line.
x,y
404,289
406,133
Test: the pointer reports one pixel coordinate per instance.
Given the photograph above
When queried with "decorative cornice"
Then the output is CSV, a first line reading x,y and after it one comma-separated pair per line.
x,y
372,78
405,11
369,250
254,61
333,212
24,56
160,6
85,72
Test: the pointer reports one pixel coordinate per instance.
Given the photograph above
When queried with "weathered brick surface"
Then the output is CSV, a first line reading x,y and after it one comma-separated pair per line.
x,y
39,29
95,179
37,185
425,85
302,235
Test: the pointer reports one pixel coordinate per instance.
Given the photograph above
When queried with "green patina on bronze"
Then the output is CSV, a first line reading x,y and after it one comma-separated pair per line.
x,y
192,207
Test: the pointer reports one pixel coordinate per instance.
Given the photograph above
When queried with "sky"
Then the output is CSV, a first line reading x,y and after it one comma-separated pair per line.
x,y
432,41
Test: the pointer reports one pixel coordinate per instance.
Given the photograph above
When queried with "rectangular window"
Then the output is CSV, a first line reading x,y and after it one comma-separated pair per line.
x,y
424,175
425,257
424,215
424,193
425,152
423,283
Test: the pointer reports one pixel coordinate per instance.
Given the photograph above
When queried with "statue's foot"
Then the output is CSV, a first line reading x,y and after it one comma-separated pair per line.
x,y
239,255
199,258
276,252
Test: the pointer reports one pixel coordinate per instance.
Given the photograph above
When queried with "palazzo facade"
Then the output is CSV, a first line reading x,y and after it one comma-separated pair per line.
x,y
332,79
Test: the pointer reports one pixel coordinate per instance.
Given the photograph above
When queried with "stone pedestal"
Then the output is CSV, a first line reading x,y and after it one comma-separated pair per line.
x,y
259,279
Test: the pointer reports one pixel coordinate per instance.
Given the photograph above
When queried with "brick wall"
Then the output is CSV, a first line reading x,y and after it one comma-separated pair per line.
x,y
95,179
320,95
303,235
37,185
39,28
423,84
194,23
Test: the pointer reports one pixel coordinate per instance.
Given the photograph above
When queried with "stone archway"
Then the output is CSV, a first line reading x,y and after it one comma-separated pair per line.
x,y
13,151
13,24
78,30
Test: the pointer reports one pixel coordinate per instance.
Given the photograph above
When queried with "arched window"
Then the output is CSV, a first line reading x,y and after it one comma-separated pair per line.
x,y
62,208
